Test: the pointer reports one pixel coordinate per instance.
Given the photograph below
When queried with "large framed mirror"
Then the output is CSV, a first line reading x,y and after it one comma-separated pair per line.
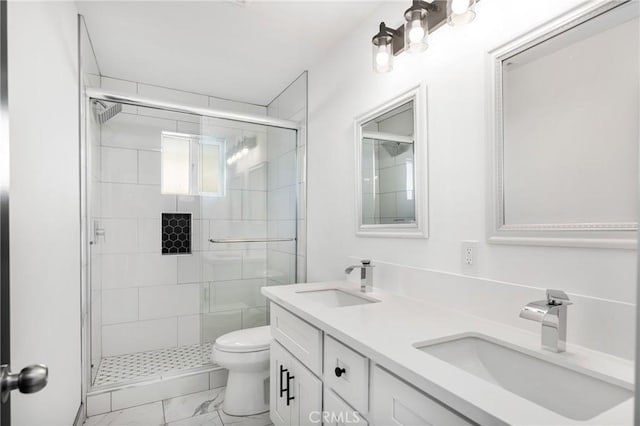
x,y
565,126
391,168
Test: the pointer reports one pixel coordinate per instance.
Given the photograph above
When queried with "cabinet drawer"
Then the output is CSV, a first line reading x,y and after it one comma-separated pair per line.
x,y
347,373
393,402
303,340
338,413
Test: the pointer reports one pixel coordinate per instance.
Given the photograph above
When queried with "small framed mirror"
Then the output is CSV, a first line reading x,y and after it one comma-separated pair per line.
x,y
391,168
565,131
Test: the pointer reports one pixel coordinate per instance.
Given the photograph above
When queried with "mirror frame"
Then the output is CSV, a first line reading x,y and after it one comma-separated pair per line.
x,y
604,235
419,229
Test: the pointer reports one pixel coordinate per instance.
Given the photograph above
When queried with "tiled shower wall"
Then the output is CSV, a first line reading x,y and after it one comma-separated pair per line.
x,y
291,104
149,301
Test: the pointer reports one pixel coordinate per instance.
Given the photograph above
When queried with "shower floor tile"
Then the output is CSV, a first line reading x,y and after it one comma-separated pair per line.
x,y
140,365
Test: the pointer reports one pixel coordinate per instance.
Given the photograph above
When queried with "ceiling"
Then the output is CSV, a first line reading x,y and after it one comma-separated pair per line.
x,y
246,51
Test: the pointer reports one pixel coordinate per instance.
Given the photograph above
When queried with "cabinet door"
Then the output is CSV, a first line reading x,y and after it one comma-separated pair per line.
x,y
306,388
393,402
296,394
280,410
339,413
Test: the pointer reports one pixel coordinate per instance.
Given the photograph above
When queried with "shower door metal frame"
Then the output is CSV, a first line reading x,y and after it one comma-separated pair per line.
x,y
134,100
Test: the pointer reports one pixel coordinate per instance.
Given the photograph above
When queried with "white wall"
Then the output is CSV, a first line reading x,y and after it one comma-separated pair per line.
x,y
342,86
45,220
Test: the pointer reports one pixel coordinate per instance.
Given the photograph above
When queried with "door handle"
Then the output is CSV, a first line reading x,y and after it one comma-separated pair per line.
x,y
289,378
30,379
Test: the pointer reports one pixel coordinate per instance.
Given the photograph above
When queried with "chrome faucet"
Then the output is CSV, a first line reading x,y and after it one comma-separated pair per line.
x,y
552,313
366,274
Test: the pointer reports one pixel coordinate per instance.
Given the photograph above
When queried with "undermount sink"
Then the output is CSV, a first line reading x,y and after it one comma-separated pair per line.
x,y
334,297
560,389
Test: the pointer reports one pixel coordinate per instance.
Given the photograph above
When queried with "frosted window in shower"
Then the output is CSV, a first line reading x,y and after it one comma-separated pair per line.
x,y
210,174
176,164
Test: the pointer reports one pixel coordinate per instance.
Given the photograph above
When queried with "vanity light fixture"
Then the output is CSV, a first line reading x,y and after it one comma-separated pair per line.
x,y
460,12
420,19
383,49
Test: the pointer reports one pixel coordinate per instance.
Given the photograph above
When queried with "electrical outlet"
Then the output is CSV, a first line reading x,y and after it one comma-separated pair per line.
x,y
469,255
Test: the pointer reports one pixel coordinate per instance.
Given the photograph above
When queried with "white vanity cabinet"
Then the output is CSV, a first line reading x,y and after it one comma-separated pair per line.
x,y
295,393
315,378
393,402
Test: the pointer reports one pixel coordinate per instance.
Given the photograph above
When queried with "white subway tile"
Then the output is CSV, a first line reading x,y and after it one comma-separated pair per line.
x,y
216,324
164,389
237,294
119,305
189,330
149,167
254,264
254,317
156,269
139,336
190,268
169,301
228,207
150,235
227,105
257,177
98,404
126,200
120,236
138,270
388,205
254,205
281,267
222,266
119,165
172,95
135,131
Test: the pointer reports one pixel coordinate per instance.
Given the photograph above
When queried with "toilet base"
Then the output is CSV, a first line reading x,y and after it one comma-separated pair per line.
x,y
246,393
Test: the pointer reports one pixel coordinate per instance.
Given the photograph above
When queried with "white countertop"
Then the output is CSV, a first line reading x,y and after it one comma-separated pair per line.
x,y
385,332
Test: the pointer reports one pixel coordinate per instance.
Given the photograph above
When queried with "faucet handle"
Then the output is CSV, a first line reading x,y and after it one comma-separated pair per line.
x,y
557,297
366,262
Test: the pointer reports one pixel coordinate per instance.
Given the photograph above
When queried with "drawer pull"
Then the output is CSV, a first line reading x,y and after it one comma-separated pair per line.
x,y
339,371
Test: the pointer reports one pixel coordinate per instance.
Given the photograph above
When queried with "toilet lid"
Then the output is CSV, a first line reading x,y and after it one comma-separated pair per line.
x,y
247,340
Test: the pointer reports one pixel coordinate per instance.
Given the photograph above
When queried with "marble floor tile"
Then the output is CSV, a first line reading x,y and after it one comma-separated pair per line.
x,y
147,415
257,420
209,419
193,405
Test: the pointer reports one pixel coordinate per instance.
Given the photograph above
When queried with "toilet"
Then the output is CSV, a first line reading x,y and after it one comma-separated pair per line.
x,y
245,353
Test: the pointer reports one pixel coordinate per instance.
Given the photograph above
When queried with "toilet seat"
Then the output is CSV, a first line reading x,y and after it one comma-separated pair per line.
x,y
247,340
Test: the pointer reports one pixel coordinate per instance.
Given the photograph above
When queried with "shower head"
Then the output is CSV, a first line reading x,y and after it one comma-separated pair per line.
x,y
107,112
396,148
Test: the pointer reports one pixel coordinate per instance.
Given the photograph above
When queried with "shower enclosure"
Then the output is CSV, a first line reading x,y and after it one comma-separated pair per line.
x,y
189,212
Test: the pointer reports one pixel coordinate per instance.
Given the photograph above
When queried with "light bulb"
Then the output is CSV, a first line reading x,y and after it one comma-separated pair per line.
x,y
245,151
229,161
459,7
382,56
416,33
